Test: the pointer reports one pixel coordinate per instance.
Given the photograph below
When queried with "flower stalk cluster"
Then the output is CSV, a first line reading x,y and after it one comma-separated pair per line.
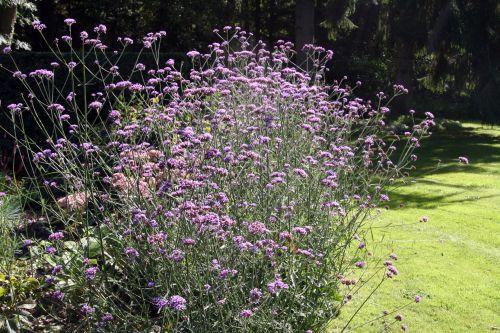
x,y
221,198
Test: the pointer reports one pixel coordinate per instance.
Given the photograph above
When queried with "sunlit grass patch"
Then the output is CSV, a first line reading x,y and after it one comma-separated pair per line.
x,y
452,260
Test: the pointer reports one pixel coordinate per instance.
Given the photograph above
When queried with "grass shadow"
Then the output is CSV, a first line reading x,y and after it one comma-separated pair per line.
x,y
439,155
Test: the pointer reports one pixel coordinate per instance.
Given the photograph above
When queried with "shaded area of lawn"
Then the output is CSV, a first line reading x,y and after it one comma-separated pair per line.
x,y
452,260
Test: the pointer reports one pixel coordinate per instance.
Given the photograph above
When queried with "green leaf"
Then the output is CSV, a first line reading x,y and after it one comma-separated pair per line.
x,y
92,245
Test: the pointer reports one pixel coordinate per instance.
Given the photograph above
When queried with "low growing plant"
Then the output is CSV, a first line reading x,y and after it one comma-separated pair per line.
x,y
228,199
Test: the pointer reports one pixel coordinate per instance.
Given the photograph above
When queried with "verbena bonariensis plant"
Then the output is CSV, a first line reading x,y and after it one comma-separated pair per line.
x,y
225,200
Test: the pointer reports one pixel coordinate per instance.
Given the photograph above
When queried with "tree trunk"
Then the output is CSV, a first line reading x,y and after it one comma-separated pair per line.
x,y
440,25
257,20
7,22
404,74
245,8
304,28
231,14
271,26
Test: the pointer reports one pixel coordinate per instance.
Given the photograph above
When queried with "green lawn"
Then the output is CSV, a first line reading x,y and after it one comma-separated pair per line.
x,y
453,260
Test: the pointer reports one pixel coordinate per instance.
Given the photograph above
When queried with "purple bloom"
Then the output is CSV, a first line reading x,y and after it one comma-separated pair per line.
x,y
176,255
392,270
136,87
56,236
463,160
107,317
131,252
56,107
42,73
15,107
177,303
226,272
57,295
188,241
120,85
308,253
69,21
101,29
50,250
300,172
38,25
160,302
418,298
384,110
87,310
257,227
246,313
19,75
57,269
285,235
277,285
91,272
89,147
193,54
114,114
302,230
50,280
255,294
84,35
96,105
360,264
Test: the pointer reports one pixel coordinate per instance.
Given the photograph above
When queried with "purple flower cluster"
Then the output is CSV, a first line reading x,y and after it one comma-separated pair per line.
x,y
131,252
69,21
177,303
276,285
463,160
246,313
91,272
235,183
42,73
56,236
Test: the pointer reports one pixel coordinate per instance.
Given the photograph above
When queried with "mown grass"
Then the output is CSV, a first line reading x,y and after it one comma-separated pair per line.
x,y
452,260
